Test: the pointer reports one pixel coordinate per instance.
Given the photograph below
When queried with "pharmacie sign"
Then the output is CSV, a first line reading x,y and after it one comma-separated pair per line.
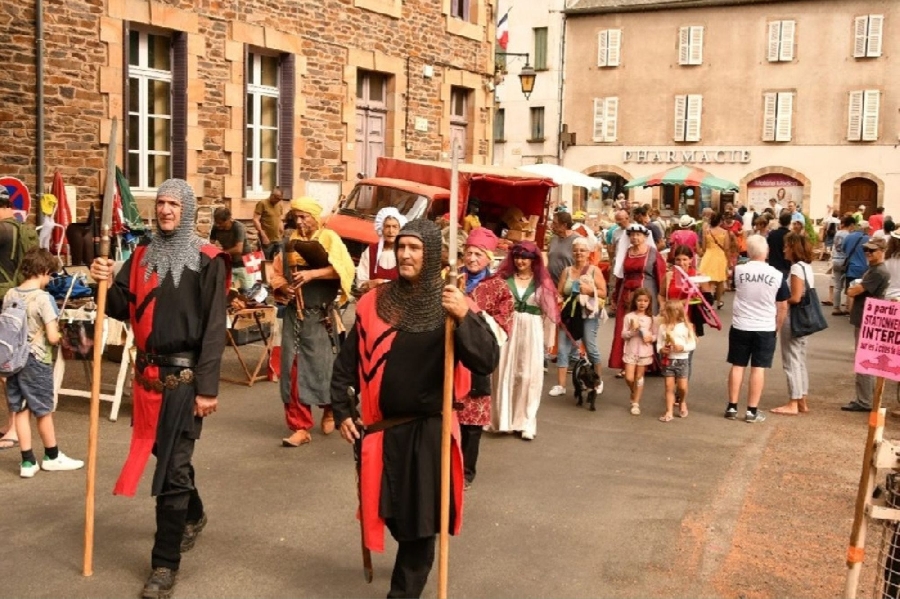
x,y
694,156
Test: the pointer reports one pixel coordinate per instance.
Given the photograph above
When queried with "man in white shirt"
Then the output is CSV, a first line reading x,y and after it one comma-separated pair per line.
x,y
760,306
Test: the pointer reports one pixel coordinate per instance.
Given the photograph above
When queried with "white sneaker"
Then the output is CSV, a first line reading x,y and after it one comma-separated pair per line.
x,y
28,470
62,462
557,390
599,388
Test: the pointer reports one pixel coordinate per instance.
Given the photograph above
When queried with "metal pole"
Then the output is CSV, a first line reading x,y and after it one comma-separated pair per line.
x,y
39,103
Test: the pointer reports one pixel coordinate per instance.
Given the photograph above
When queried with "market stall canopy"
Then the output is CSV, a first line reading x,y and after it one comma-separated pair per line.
x,y
565,176
687,176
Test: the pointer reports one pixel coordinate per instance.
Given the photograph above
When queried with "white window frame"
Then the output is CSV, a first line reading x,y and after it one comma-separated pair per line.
x,y
781,41
688,114
141,75
609,48
863,118
778,116
690,45
255,93
868,36
606,120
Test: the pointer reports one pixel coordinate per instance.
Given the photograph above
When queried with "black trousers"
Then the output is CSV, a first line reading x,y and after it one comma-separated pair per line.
x,y
178,503
471,441
411,568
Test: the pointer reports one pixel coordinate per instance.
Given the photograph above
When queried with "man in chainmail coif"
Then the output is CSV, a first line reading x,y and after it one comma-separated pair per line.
x,y
173,291
394,357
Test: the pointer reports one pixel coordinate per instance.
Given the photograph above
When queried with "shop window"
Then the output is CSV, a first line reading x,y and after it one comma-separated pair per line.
x,y
690,45
688,111
781,41
609,47
540,48
606,116
778,108
868,34
269,122
862,122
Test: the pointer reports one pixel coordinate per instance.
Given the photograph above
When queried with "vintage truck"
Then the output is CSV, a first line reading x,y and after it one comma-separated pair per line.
x,y
419,188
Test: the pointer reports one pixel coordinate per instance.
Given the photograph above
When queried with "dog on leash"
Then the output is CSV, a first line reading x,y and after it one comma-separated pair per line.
x,y
585,379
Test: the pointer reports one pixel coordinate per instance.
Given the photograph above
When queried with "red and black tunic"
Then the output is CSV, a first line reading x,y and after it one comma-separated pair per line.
x,y
375,271
400,374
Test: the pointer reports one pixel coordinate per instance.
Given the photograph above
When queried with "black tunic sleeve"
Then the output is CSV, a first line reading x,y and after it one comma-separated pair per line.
x,y
344,375
119,295
213,304
475,345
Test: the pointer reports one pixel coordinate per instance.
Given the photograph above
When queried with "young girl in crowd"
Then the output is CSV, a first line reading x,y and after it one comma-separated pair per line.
x,y
675,340
639,332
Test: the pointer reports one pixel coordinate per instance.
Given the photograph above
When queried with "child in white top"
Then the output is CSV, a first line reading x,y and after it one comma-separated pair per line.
x,y
638,331
675,340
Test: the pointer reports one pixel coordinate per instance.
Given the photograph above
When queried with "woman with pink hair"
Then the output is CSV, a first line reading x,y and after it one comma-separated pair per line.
x,y
520,376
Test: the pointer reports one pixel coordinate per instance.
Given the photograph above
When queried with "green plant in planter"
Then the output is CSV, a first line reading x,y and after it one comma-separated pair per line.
x,y
811,231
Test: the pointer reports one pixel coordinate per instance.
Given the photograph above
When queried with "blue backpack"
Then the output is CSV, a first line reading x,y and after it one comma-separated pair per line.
x,y
13,338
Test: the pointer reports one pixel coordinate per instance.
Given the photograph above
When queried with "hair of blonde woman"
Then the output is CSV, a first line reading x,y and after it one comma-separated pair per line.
x,y
672,313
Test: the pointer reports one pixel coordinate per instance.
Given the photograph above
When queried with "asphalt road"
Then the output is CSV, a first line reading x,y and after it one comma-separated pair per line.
x,y
599,505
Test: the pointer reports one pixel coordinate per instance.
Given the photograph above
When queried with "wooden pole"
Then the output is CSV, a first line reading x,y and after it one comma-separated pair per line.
x,y
447,420
94,428
857,548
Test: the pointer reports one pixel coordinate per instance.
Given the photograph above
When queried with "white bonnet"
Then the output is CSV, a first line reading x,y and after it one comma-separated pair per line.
x,y
385,213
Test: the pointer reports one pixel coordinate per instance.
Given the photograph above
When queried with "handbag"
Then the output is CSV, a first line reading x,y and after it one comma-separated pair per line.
x,y
806,316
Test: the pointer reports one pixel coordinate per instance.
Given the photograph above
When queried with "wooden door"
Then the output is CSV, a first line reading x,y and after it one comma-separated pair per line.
x,y
369,140
458,135
856,192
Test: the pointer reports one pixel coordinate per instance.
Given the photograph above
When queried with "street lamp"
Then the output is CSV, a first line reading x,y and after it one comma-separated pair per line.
x,y
526,76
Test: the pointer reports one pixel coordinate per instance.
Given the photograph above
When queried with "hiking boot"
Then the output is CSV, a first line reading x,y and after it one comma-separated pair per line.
x,y
731,413
28,470
62,462
191,530
160,584
752,418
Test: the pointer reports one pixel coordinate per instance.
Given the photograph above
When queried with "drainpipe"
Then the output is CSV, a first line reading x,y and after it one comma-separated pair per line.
x,y
39,100
562,83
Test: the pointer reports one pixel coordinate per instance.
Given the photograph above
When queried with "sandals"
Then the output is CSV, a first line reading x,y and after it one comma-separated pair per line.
x,y
683,413
635,409
9,443
620,374
666,418
827,303
301,437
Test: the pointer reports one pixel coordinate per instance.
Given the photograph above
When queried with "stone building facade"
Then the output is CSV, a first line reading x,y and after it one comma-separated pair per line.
x,y
240,96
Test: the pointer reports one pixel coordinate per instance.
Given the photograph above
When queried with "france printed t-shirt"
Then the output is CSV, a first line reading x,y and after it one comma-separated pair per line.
x,y
758,287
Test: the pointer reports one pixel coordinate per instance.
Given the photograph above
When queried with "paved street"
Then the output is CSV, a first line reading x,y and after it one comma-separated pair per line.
x,y
601,504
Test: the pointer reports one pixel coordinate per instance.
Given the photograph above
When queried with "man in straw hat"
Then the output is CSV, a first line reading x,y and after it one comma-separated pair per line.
x,y
173,291
311,271
394,358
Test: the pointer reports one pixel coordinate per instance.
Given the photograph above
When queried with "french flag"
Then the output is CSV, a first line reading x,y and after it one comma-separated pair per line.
x,y
503,31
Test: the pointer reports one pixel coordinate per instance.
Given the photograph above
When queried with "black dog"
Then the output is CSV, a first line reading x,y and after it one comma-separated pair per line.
x,y
585,378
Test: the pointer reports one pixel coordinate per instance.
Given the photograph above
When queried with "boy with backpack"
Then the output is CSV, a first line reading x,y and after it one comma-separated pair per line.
x,y
29,388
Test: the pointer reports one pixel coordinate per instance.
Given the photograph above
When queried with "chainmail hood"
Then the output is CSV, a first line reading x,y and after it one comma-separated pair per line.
x,y
416,307
172,252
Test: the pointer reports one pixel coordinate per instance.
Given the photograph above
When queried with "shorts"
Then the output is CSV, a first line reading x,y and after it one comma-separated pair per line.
x,y
639,361
31,388
680,368
753,348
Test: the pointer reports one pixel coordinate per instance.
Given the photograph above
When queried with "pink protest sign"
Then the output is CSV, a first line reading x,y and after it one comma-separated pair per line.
x,y
878,350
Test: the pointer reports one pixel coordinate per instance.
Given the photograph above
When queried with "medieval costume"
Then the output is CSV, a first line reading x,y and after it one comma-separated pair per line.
x,y
394,358
173,291
496,301
519,379
376,263
309,334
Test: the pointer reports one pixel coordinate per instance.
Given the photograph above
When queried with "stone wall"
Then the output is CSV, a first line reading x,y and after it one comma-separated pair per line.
x,y
84,48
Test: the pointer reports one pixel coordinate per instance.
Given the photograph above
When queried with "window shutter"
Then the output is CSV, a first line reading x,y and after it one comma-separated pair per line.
x,y
684,45
179,106
694,111
860,28
871,101
786,52
784,119
602,48
612,119
126,37
696,45
854,120
680,108
774,40
769,110
286,93
615,47
876,26
598,119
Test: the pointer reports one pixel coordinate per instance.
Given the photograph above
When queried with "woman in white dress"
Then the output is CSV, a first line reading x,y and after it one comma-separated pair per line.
x,y
519,378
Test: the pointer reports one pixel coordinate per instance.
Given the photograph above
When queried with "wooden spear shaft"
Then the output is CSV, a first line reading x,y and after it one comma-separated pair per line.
x,y
94,428
447,421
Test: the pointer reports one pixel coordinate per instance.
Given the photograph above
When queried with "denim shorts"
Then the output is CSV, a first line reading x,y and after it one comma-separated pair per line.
x,y
567,351
679,368
31,388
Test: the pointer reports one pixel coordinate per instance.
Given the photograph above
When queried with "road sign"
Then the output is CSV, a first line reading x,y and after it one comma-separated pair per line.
x,y
878,349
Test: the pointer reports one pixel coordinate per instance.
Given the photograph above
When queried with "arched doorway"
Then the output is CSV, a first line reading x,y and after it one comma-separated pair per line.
x,y
857,192
595,201
780,187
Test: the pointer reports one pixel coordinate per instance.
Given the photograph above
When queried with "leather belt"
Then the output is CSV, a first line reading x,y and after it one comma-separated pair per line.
x,y
180,360
171,381
387,423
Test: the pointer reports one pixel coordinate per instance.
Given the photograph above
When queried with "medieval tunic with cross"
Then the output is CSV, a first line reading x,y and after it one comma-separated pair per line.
x,y
170,320
400,374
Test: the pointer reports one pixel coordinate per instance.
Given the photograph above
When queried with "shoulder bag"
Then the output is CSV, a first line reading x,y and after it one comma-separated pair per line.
x,y
807,317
